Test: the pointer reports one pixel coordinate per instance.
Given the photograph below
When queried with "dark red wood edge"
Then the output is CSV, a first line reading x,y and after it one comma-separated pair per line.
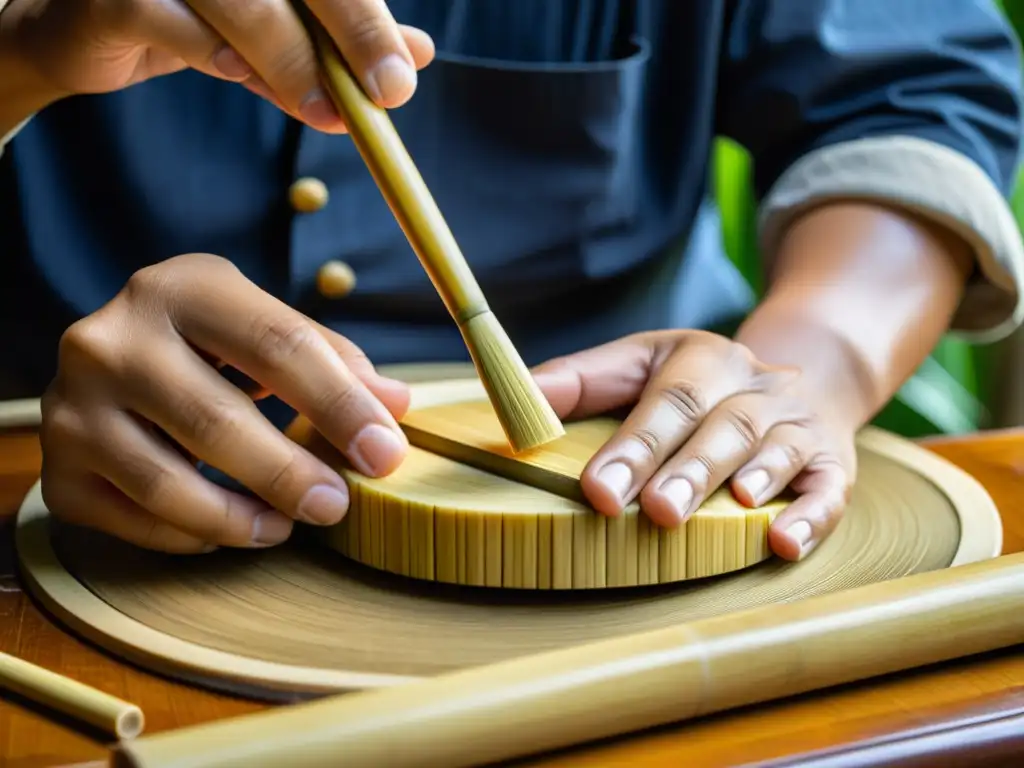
x,y
990,733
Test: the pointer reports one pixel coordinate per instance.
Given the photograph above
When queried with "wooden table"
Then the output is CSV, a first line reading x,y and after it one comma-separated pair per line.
x,y
959,714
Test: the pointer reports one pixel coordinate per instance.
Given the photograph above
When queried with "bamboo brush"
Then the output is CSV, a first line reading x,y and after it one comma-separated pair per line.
x,y
527,418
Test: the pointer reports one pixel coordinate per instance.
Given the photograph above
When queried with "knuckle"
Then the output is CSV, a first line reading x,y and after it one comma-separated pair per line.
x,y
369,31
706,470
686,399
152,484
342,397
212,424
649,441
283,480
149,280
87,343
60,426
746,426
278,341
294,65
794,455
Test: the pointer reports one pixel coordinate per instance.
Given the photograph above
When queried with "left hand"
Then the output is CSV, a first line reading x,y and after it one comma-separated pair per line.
x,y
706,410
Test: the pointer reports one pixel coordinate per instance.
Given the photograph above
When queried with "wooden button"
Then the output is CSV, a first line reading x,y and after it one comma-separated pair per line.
x,y
308,195
335,280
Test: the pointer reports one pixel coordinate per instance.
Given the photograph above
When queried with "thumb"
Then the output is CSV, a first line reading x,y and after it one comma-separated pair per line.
x,y
596,380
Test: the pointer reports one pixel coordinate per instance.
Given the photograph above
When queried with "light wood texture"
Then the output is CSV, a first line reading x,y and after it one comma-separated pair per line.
x,y
520,521
526,416
110,714
967,712
552,700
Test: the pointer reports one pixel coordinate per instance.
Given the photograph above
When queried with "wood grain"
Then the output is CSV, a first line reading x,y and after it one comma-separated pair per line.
x,y
963,713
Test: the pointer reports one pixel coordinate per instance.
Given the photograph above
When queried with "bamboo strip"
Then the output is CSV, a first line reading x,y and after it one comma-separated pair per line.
x,y
560,698
77,700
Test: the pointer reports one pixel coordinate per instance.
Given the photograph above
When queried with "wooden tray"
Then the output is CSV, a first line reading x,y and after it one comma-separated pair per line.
x,y
301,619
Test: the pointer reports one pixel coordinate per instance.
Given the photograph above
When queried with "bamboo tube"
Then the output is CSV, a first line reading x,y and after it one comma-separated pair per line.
x,y
556,699
85,704
526,416
19,414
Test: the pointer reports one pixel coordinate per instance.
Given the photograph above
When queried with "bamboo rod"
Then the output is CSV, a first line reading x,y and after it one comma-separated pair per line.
x,y
556,699
77,700
20,414
526,416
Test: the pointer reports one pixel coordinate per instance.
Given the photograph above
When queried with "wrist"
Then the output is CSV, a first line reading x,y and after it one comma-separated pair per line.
x,y
835,376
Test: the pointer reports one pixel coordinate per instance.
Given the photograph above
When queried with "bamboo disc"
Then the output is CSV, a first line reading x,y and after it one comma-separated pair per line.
x,y
301,619
463,509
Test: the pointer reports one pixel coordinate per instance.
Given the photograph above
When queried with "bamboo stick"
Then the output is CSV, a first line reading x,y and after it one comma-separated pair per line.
x,y
556,699
526,416
77,700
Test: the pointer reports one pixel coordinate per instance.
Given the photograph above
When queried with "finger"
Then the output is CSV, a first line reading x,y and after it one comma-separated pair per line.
x,y
271,38
784,453
731,435
392,393
174,28
284,351
824,488
175,389
373,46
420,44
159,480
675,402
91,502
596,380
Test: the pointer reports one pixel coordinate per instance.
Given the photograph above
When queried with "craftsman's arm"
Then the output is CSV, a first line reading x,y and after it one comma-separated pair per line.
x,y
885,138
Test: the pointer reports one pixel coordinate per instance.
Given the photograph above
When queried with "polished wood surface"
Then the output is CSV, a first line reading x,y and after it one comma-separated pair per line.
x,y
966,713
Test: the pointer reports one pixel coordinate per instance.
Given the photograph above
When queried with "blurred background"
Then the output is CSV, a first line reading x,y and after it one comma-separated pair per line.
x,y
962,387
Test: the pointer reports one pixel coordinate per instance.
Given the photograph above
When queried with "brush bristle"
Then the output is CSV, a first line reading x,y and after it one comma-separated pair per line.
x,y
525,414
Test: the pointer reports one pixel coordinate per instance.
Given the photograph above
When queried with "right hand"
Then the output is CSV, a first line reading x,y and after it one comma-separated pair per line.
x,y
98,46
138,398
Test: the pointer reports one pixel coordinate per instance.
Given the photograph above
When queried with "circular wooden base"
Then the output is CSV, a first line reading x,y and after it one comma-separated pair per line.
x,y
300,619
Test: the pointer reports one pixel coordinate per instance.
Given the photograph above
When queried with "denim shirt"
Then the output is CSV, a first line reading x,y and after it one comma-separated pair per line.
x,y
567,143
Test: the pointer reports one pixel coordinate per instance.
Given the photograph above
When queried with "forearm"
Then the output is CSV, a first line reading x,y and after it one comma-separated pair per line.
x,y
858,297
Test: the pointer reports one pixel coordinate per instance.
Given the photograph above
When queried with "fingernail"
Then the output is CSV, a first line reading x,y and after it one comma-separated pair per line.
x,y
270,528
679,493
755,483
801,533
230,64
317,109
376,450
323,505
391,81
617,478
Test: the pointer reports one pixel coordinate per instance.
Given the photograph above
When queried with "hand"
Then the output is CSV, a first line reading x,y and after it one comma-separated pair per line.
x,y
706,411
97,46
138,397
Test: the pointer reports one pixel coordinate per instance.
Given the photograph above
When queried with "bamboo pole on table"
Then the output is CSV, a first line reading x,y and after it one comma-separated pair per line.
x,y
85,704
556,699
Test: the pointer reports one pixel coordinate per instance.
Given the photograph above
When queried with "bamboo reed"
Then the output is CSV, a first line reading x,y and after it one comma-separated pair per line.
x,y
556,699
77,700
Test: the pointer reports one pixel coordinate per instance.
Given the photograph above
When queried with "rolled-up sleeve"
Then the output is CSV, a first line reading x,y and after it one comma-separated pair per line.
x,y
914,103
